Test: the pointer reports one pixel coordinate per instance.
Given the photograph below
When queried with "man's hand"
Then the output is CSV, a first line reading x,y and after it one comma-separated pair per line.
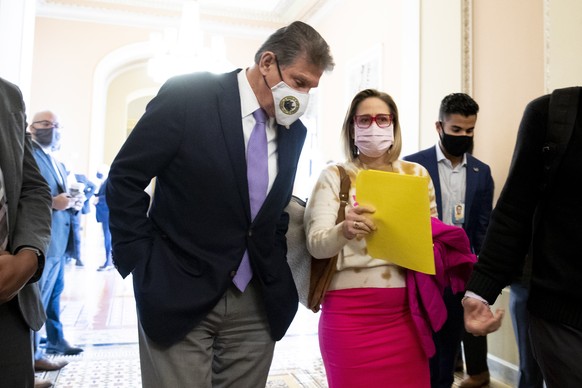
x,y
15,271
62,201
479,319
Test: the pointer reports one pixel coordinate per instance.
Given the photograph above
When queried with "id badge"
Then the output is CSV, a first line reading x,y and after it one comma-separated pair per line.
x,y
459,213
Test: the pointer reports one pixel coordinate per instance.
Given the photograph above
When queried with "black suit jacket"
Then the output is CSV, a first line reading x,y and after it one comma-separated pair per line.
x,y
478,193
183,253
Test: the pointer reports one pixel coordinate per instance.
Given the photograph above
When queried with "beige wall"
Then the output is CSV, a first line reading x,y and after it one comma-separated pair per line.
x,y
351,34
508,51
66,54
441,62
563,28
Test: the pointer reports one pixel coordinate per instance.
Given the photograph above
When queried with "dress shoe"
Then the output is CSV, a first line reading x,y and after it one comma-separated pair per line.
x,y
476,381
44,364
62,348
40,383
105,267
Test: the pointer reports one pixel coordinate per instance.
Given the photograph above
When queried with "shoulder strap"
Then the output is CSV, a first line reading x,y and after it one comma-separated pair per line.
x,y
322,270
343,194
561,119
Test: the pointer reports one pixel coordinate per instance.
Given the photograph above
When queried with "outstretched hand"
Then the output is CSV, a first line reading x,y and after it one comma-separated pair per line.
x,y
479,319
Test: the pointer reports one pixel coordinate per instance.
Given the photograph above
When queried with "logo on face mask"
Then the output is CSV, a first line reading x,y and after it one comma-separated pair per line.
x,y
291,104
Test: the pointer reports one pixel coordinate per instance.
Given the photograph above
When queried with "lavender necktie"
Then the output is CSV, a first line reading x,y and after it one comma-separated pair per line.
x,y
258,179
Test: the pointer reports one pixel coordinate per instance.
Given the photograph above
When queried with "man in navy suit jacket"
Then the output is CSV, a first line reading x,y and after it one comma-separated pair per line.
x,y
196,328
464,195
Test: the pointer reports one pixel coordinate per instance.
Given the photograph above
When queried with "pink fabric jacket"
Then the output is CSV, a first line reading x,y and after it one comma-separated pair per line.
x,y
454,264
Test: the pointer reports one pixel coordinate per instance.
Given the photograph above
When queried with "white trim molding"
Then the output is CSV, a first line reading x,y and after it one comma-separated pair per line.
x,y
467,54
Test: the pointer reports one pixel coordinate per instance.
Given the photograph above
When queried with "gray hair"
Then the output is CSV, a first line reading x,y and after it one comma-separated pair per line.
x,y
297,39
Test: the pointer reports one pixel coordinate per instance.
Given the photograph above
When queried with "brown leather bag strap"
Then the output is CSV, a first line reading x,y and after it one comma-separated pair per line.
x,y
343,194
322,270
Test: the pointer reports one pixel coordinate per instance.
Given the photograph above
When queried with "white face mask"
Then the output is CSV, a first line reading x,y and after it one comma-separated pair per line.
x,y
374,141
290,104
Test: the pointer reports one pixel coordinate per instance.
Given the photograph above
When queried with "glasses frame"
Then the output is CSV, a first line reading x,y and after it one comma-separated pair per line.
x,y
373,120
47,124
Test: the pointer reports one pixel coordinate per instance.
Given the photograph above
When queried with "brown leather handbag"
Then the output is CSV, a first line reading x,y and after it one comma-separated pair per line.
x,y
322,270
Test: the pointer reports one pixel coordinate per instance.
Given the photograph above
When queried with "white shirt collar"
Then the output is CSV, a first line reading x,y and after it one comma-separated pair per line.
x,y
248,100
47,150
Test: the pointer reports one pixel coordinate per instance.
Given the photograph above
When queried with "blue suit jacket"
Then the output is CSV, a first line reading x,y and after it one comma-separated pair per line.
x,y
101,209
478,193
184,251
62,225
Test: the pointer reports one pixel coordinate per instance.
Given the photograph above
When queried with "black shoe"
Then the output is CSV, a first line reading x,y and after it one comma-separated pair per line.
x,y
105,267
62,348
79,264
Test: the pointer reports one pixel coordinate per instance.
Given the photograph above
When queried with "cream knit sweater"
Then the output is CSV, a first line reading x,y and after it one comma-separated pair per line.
x,y
356,269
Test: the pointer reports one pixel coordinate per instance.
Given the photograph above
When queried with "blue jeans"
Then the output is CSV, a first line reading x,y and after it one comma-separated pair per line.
x,y
106,242
52,284
530,375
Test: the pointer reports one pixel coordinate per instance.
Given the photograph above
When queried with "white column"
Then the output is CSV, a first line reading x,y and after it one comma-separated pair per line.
x,y
409,104
17,20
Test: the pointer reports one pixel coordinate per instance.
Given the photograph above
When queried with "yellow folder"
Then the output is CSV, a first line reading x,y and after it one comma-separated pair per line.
x,y
402,218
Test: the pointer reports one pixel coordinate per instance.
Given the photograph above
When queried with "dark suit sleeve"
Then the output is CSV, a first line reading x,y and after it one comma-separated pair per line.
x,y
33,217
509,233
150,146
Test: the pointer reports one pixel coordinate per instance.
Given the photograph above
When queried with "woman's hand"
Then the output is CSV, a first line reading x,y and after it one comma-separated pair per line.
x,y
358,222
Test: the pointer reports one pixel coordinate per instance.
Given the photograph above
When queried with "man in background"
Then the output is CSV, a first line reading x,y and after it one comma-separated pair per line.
x,y
102,217
464,195
83,189
25,220
45,131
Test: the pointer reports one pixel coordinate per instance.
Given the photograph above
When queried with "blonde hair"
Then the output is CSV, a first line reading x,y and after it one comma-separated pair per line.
x,y
350,148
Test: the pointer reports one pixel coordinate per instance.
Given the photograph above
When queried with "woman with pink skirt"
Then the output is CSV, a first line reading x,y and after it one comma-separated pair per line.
x,y
373,328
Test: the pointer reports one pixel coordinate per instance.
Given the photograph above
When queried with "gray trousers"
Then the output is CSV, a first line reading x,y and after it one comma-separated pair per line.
x,y
558,349
16,361
231,347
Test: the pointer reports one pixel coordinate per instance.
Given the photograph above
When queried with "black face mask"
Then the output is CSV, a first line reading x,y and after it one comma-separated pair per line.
x,y
44,136
456,145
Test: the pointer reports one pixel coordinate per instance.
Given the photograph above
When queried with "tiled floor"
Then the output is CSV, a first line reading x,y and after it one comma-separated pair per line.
x,y
99,315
